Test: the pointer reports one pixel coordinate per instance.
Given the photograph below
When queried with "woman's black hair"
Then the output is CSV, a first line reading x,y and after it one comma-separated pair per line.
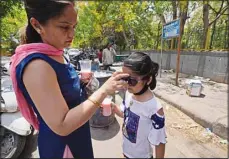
x,y
141,64
42,10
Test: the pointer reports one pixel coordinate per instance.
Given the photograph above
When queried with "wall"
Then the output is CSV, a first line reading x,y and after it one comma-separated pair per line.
x,y
213,65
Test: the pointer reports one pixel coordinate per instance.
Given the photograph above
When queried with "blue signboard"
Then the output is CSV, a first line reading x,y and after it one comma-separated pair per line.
x,y
171,29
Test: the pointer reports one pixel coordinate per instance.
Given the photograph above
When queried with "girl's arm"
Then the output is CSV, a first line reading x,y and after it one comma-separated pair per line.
x,y
160,149
117,110
157,135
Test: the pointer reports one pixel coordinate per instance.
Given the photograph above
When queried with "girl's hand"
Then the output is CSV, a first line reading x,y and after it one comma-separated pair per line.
x,y
115,83
115,109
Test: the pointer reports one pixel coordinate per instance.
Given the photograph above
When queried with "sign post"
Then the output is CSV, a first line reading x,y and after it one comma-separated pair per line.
x,y
172,30
161,53
178,59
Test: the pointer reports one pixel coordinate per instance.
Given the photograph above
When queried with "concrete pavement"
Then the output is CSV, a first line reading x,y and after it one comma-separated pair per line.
x,y
185,138
189,140
209,110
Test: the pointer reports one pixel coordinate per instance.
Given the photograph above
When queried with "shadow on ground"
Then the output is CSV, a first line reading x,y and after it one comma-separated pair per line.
x,y
105,133
201,96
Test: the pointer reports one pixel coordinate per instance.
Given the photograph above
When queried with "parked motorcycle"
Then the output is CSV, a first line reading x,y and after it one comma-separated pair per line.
x,y
75,56
14,128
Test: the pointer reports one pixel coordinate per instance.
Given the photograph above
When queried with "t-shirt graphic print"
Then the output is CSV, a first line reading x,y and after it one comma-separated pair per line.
x,y
130,125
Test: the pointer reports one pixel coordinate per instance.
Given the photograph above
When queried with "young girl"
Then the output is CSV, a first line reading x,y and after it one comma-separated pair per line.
x,y
144,122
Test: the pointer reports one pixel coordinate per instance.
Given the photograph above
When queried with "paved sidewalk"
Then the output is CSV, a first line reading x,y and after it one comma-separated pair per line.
x,y
185,138
210,110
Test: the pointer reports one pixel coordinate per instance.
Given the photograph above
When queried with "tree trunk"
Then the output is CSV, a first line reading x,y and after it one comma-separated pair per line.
x,y
183,16
187,39
174,4
162,18
214,24
226,44
212,35
125,37
207,25
206,22
158,35
162,21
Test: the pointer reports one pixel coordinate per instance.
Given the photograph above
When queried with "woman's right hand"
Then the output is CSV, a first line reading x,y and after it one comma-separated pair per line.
x,y
115,83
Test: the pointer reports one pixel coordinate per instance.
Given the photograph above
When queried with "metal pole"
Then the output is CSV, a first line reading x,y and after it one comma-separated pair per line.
x,y
161,50
178,56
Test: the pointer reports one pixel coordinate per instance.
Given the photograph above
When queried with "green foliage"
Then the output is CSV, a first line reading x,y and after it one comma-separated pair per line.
x,y
130,24
12,21
6,6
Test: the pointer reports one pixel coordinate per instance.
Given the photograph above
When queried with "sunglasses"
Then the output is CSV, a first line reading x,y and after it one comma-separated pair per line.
x,y
131,81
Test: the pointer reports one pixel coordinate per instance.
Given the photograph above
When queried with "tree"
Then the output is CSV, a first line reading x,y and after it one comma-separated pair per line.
x,y
10,25
7,5
206,20
135,24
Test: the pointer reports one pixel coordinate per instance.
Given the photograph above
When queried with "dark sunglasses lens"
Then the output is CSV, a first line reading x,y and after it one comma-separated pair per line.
x,y
132,82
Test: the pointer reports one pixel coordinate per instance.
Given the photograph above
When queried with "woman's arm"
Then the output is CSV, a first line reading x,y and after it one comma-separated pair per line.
x,y
41,83
160,150
117,110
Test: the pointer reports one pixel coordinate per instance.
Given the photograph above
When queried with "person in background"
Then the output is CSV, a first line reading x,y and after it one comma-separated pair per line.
x,y
94,63
100,55
48,89
108,56
144,121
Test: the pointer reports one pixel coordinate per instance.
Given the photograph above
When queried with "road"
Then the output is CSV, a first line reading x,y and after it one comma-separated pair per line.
x,y
185,139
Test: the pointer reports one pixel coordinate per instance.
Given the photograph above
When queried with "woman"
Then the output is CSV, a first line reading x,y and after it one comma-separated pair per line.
x,y
144,122
47,88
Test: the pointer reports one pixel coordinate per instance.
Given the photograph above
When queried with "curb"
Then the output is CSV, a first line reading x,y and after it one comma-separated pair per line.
x,y
216,127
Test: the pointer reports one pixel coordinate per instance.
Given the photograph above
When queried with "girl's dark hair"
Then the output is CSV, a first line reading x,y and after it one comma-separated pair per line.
x,y
42,10
141,64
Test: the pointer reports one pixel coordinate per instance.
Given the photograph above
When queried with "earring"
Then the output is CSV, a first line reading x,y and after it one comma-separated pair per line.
x,y
38,31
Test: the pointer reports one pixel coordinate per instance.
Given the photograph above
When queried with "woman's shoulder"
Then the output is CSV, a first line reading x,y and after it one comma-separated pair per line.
x,y
35,63
41,59
30,58
39,67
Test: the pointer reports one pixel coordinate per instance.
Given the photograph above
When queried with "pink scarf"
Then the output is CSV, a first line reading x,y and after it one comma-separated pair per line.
x,y
21,52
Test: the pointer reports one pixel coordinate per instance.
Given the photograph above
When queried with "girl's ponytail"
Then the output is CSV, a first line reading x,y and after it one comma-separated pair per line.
x,y
154,73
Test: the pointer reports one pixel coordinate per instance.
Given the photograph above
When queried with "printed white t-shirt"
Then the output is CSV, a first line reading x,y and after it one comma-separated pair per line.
x,y
142,127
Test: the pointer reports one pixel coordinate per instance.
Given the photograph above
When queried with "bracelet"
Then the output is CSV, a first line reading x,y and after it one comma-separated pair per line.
x,y
94,102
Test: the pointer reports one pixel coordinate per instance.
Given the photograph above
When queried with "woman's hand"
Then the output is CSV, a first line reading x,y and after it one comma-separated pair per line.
x,y
115,83
86,77
112,108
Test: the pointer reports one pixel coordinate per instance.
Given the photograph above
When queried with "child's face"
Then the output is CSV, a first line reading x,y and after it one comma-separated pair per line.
x,y
137,83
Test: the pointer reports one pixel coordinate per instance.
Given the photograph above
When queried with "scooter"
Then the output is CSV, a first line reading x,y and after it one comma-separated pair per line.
x,y
14,128
75,56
